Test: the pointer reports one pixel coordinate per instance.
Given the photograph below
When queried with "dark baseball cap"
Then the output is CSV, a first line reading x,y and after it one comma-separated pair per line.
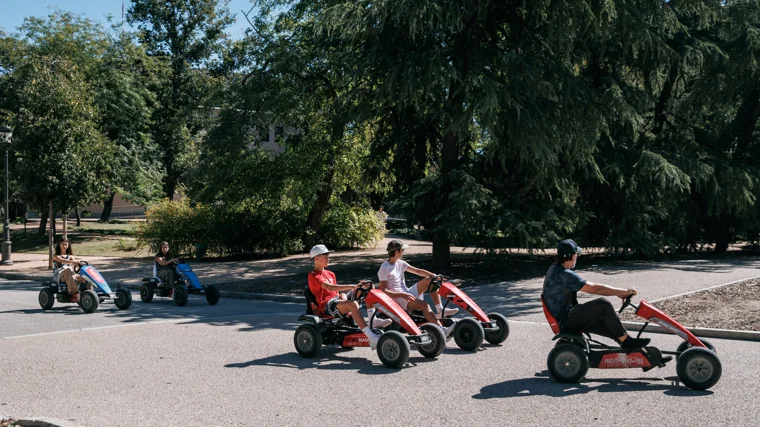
x,y
396,245
568,247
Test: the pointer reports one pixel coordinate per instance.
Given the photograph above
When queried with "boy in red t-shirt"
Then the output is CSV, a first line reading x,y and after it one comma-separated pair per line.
x,y
323,285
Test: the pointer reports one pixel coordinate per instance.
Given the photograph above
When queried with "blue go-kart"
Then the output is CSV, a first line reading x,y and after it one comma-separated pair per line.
x,y
186,283
88,299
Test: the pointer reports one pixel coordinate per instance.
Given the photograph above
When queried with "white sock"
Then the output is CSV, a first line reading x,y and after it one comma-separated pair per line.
x,y
370,312
439,308
368,332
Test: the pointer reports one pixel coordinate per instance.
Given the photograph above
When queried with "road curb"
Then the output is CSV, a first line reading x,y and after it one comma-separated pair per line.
x,y
728,334
44,422
136,287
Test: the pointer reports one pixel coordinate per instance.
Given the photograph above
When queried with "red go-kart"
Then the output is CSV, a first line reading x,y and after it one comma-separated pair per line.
x,y
697,363
393,348
469,332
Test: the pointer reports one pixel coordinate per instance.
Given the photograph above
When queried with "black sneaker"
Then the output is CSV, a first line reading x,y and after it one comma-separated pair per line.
x,y
631,343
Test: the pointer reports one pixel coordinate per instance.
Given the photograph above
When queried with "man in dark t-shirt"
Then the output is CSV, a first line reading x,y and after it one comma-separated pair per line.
x,y
597,316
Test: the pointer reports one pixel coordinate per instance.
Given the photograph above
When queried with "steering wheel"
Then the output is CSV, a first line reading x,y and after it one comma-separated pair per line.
x,y
626,303
78,267
362,291
436,283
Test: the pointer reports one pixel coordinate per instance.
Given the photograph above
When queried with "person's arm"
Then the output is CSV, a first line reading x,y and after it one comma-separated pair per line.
x,y
161,262
607,291
60,260
338,288
420,272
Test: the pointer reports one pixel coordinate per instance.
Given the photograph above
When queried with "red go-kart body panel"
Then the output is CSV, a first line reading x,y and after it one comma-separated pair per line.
x,y
390,308
458,297
355,340
549,318
655,315
622,360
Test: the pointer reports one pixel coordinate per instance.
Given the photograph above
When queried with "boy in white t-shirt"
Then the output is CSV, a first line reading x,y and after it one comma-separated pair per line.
x,y
391,275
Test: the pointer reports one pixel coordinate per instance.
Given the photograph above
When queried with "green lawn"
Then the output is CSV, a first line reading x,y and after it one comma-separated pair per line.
x,y
88,244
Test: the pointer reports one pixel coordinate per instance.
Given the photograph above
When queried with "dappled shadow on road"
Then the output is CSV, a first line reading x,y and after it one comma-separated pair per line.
x,y
509,299
543,385
331,358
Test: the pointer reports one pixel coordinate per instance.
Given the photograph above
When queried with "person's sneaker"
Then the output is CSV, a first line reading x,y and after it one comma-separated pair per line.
x,y
448,330
373,339
636,343
448,312
380,323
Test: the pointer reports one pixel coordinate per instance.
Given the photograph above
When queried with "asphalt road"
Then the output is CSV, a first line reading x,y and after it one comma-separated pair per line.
x,y
234,364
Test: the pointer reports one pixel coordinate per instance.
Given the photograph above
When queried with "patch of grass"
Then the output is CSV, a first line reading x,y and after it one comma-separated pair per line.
x,y
83,245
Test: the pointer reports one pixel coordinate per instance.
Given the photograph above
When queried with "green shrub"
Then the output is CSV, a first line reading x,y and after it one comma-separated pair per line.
x,y
347,227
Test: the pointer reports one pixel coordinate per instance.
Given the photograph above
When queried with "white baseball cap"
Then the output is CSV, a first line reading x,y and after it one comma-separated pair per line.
x,y
318,250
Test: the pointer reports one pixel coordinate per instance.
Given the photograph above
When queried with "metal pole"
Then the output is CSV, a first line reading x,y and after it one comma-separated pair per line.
x,y
7,235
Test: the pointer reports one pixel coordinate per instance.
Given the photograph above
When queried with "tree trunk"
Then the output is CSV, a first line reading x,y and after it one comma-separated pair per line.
x,y
43,222
79,217
105,216
65,218
745,121
662,103
324,192
51,233
723,239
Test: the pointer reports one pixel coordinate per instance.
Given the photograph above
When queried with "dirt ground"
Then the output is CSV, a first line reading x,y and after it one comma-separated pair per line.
x,y
734,306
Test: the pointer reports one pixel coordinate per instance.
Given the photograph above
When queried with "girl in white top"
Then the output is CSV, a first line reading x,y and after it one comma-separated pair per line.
x,y
391,275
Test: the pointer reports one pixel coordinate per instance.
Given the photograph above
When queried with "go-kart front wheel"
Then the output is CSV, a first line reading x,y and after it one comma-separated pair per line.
x,y
699,368
147,291
123,299
212,295
180,296
308,341
437,341
685,344
89,301
393,349
46,298
469,334
567,363
500,335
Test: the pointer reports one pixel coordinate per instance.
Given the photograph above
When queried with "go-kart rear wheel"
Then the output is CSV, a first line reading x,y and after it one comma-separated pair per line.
x,y
469,334
89,301
123,299
180,296
46,298
699,368
567,363
684,345
500,335
437,341
308,341
212,294
393,349
146,292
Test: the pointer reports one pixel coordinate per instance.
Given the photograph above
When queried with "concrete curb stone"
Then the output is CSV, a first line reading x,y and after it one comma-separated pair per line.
x,y
44,422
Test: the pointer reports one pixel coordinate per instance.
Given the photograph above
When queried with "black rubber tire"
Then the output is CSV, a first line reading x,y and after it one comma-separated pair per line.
x,y
567,363
685,344
146,292
46,298
308,341
497,337
438,344
469,334
123,299
699,368
89,301
180,296
393,349
212,295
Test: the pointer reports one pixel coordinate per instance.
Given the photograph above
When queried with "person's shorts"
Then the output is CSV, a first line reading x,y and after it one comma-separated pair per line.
x,y
412,290
331,308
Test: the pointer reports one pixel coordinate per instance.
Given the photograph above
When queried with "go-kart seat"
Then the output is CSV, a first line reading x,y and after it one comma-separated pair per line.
x,y
552,321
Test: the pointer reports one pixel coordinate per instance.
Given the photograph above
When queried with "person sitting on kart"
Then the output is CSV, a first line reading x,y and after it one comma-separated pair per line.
x,y
324,286
63,264
597,316
391,275
165,267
